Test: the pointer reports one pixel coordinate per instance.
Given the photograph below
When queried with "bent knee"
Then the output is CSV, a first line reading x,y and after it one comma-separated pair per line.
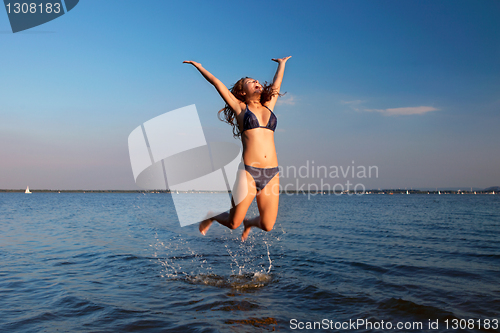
x,y
267,226
234,224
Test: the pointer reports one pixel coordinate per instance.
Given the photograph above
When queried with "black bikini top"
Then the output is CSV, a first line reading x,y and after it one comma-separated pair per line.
x,y
250,121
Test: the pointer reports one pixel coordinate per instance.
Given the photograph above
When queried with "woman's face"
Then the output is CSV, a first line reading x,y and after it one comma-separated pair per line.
x,y
252,86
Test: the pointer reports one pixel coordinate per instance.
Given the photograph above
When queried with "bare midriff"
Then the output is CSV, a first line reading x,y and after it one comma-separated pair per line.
x,y
258,148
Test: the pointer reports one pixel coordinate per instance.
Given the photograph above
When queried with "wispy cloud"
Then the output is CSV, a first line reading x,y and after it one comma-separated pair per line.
x,y
352,104
288,99
356,105
404,111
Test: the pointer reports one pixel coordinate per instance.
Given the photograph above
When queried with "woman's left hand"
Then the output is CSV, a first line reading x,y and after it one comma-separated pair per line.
x,y
281,60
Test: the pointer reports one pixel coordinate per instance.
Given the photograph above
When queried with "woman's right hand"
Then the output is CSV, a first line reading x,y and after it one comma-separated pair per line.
x,y
194,63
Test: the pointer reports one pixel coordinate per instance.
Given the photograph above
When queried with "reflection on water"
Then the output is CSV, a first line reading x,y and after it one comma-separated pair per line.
x,y
240,282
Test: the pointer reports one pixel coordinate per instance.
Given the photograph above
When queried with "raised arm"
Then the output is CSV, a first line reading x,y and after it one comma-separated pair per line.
x,y
226,95
278,77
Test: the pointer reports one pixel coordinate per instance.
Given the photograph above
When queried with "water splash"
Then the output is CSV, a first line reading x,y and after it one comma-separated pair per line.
x,y
220,259
233,258
240,282
268,257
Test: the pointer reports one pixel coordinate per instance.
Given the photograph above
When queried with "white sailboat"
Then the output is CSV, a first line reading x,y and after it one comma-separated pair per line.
x,y
27,190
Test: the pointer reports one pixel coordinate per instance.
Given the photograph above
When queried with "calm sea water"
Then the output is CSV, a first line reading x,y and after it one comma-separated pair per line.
x,y
121,262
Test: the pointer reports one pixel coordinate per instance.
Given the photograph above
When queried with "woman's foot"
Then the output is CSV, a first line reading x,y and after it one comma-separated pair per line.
x,y
205,224
246,232
249,224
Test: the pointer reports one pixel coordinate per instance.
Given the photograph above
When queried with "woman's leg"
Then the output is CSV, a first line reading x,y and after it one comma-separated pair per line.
x,y
268,202
243,193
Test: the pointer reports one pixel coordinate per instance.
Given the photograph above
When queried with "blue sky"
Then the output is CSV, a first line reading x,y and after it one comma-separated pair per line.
x,y
412,87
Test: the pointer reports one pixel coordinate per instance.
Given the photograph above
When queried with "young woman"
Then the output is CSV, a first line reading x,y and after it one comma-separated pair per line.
x,y
248,110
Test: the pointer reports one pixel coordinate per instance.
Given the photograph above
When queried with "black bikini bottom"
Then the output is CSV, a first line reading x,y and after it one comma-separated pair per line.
x,y
261,176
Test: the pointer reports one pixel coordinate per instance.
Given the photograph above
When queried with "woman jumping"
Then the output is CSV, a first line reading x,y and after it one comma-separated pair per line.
x,y
248,110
